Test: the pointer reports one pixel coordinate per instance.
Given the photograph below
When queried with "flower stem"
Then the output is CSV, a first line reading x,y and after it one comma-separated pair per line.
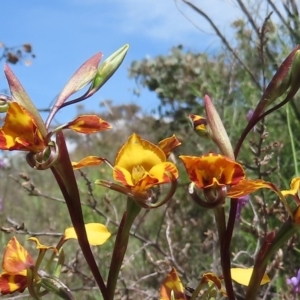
x,y
270,246
65,178
224,250
120,247
292,139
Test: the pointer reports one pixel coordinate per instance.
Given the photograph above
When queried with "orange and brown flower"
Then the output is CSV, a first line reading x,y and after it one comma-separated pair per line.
x,y
21,131
218,176
139,166
16,261
213,170
172,287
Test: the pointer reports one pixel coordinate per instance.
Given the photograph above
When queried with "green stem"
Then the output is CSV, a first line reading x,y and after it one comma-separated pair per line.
x,y
268,249
37,263
120,247
292,139
225,255
224,250
198,290
220,221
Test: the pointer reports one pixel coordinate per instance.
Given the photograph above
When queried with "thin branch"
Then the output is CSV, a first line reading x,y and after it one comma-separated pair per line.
x,y
224,41
20,228
249,16
294,34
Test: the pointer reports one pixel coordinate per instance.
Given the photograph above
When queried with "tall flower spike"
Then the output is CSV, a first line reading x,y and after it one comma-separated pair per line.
x,y
42,152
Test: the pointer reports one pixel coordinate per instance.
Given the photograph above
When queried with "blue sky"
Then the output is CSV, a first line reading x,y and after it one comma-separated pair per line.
x,y
66,33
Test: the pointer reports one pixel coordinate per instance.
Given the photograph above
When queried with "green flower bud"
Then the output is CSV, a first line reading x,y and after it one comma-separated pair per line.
x,y
280,83
108,68
295,74
55,286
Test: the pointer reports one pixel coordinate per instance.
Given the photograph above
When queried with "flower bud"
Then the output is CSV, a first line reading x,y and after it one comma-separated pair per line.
x,y
280,82
19,95
199,124
53,285
107,69
295,74
216,130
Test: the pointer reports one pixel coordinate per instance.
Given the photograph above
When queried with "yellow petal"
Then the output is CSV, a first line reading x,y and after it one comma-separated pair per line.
x,y
40,246
199,124
163,171
123,176
168,144
88,161
16,258
242,276
172,287
295,186
20,131
247,186
13,283
211,277
139,152
97,233
88,124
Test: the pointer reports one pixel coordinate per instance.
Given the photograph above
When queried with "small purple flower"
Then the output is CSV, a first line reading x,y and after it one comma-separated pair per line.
x,y
249,114
295,282
4,163
241,203
249,117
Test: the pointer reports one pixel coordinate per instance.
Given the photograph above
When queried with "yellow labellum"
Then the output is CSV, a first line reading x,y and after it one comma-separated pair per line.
x,y
97,233
242,276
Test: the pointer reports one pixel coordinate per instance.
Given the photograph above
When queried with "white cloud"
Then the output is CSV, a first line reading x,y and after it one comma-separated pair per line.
x,y
159,20
171,19
156,20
